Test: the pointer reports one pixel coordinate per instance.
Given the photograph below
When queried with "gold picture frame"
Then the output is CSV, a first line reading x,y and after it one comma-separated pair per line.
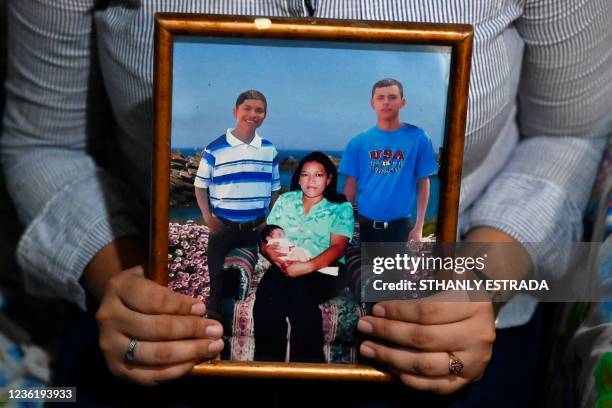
x,y
170,26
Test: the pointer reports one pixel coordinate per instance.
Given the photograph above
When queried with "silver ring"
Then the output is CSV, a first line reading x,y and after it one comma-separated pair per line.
x,y
129,354
455,365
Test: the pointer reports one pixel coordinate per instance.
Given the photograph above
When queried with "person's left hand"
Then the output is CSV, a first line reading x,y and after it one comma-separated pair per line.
x,y
415,234
417,338
295,269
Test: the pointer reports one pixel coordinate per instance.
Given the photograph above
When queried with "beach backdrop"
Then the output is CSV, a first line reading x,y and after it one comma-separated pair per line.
x,y
183,206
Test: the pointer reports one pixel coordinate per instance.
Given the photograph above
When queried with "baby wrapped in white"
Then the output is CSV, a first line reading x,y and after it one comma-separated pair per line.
x,y
295,253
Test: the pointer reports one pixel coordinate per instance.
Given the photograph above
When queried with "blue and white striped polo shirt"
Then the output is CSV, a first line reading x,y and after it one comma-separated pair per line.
x,y
240,177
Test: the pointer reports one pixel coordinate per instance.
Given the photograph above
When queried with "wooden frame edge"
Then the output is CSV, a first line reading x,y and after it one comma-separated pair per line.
x,y
160,184
169,25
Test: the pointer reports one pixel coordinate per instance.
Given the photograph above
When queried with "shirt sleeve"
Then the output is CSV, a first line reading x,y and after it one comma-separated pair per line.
x,y
275,216
344,221
426,163
349,164
276,182
565,96
204,174
70,206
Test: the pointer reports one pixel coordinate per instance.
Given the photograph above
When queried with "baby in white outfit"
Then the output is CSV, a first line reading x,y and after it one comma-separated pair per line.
x,y
275,235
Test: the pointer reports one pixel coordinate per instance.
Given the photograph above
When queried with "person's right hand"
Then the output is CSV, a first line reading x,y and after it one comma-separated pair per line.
x,y
172,334
214,224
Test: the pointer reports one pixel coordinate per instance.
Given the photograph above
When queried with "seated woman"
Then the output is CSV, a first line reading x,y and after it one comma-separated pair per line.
x,y
316,217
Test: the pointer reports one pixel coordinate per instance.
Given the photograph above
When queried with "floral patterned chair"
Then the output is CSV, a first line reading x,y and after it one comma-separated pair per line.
x,y
340,314
188,274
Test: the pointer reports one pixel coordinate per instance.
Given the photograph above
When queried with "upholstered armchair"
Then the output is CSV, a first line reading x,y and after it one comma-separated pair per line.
x,y
245,268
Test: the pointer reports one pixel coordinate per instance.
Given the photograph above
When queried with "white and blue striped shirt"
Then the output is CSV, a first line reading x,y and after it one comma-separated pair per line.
x,y
240,177
540,103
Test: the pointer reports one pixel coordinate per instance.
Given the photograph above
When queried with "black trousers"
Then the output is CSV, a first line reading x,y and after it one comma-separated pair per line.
x,y
280,298
218,247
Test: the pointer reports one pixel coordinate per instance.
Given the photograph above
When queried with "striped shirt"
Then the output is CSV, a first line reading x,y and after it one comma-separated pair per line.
x,y
540,101
240,177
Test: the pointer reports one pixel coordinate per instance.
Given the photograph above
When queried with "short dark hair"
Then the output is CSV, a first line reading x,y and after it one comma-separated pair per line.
x,y
383,83
252,94
266,232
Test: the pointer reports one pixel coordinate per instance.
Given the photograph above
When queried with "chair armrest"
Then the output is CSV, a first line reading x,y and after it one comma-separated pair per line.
x,y
352,262
240,261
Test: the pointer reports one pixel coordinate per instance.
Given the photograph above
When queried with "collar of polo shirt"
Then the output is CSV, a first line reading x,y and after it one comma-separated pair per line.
x,y
234,141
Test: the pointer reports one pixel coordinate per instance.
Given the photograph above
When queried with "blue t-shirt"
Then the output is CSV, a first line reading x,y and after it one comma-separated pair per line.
x,y
387,166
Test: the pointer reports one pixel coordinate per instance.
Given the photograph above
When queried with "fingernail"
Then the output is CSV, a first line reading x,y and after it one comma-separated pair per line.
x,y
364,326
216,346
198,309
378,310
214,330
367,352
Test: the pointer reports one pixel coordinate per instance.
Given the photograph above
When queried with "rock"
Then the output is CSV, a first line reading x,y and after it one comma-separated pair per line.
x,y
182,176
288,164
335,160
176,156
193,162
183,170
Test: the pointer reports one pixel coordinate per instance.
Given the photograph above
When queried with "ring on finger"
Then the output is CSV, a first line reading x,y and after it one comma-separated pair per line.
x,y
455,364
131,350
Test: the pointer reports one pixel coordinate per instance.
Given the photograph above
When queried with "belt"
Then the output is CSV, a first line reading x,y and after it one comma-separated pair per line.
x,y
245,225
381,225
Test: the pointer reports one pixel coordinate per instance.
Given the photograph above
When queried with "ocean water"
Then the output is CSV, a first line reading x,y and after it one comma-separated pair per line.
x,y
283,154
182,214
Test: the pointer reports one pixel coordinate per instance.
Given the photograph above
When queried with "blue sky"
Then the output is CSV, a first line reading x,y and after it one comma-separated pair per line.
x,y
318,92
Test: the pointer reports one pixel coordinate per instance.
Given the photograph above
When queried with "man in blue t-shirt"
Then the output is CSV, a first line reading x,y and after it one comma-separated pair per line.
x,y
387,168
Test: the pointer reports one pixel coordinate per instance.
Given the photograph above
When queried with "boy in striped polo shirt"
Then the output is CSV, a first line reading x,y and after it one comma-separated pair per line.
x,y
237,182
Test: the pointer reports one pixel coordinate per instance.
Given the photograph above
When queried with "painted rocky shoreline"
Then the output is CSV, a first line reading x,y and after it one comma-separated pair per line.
x,y
183,170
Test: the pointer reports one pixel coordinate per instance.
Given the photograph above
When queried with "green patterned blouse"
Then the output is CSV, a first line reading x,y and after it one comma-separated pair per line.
x,y
313,231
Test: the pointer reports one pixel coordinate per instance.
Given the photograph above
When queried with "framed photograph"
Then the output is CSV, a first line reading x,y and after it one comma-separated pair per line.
x,y
280,145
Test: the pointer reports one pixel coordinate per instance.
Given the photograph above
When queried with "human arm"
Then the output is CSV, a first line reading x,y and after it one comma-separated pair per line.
x,y
74,210
539,194
71,207
417,336
212,222
341,230
349,166
276,183
271,251
274,197
201,184
416,234
350,189
564,95
335,251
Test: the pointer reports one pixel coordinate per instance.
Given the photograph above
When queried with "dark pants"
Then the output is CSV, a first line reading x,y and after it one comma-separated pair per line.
x,y
280,298
234,235
395,231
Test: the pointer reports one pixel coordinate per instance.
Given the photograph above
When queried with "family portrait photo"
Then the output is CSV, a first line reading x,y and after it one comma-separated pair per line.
x,y
285,155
